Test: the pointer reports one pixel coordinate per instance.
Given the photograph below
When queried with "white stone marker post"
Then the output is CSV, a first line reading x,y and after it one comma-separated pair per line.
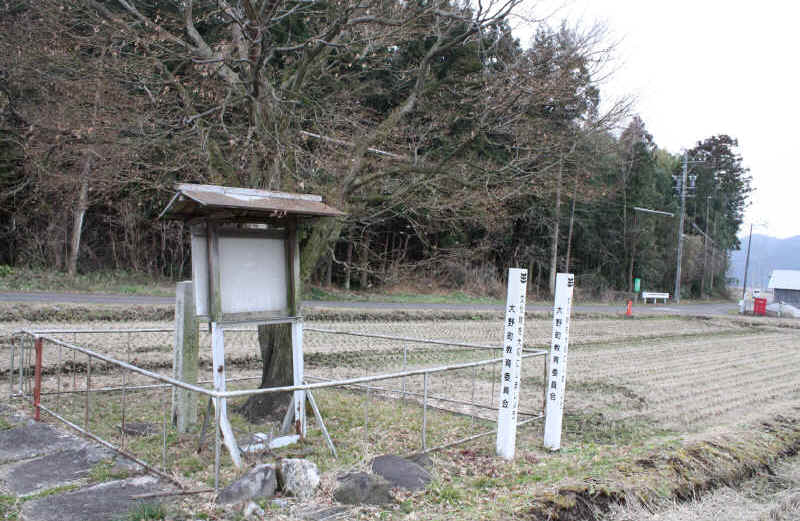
x,y
512,362
186,355
557,361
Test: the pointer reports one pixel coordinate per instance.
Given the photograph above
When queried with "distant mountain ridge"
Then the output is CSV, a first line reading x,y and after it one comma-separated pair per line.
x,y
766,254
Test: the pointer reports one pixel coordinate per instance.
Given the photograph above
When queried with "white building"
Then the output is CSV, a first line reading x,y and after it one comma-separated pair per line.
x,y
786,286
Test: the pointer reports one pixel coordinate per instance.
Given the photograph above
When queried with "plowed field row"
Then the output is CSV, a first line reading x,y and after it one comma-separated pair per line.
x,y
699,382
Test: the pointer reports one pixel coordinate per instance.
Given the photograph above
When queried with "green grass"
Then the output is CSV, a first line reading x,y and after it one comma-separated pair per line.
x,y
52,491
455,297
9,510
470,482
146,512
118,282
104,471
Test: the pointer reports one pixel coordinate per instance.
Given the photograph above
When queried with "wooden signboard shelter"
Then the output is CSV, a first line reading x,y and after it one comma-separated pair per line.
x,y
246,269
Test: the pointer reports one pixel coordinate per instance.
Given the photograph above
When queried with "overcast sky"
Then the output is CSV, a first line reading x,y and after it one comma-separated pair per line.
x,y
705,67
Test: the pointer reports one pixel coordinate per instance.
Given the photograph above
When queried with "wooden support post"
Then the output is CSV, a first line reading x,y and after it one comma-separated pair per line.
x,y
218,342
186,357
214,293
293,301
294,289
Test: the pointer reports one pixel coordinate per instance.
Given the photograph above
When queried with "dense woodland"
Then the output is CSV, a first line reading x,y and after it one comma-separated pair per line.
x,y
456,150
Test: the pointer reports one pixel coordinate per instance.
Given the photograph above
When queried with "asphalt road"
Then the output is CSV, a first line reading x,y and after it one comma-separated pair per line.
x,y
99,298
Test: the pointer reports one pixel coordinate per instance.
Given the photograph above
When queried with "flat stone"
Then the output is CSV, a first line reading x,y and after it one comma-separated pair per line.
x,y
401,472
258,482
317,513
30,441
102,502
362,488
52,470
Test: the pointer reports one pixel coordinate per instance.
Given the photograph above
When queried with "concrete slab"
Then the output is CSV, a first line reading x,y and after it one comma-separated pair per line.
x,y
31,440
103,502
53,470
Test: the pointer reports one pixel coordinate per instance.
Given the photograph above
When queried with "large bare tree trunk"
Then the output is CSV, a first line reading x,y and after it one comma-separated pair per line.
x,y
329,271
80,211
275,344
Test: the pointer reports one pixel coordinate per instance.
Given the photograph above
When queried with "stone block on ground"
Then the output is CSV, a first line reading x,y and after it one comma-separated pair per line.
x,y
363,488
54,470
31,440
138,429
421,459
258,482
299,477
401,472
321,513
102,502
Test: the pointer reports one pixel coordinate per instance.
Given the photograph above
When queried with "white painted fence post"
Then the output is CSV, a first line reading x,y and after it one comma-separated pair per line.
x,y
297,369
557,361
510,380
186,357
218,361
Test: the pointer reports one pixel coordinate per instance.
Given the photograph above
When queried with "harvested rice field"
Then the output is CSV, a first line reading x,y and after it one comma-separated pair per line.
x,y
660,411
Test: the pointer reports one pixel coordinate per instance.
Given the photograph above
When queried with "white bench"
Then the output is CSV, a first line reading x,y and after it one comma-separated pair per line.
x,y
655,296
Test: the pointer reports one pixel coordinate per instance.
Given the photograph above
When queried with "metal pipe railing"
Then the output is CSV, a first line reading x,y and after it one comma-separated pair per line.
x,y
39,337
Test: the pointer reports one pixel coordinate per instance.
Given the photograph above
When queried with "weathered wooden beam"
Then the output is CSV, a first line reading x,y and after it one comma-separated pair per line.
x,y
293,268
214,289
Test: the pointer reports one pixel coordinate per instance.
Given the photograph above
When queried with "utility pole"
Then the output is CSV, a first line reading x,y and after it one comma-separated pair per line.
x,y
747,262
680,228
713,257
705,250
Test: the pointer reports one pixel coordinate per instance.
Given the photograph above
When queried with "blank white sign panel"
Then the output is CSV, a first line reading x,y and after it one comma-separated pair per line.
x,y
253,274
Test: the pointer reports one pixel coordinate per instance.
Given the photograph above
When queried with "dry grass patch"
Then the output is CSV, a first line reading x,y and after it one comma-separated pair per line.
x,y
658,408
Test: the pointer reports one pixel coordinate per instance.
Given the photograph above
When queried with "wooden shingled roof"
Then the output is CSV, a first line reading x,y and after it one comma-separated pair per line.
x,y
193,201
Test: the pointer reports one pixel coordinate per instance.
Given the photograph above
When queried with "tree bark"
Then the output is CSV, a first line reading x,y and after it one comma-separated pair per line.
x,y
630,265
329,271
554,246
571,222
275,345
364,275
349,261
80,211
